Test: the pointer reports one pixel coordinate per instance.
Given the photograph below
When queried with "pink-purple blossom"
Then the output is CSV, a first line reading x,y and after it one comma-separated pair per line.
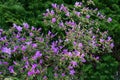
x,y
11,69
87,16
67,14
26,25
63,74
30,73
112,45
54,5
77,13
23,48
72,72
19,28
61,24
78,4
71,23
53,20
34,45
38,54
109,19
6,50
101,40
80,45
73,63
55,74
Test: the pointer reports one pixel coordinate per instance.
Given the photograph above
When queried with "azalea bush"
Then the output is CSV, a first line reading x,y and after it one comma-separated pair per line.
x,y
26,53
81,27
73,48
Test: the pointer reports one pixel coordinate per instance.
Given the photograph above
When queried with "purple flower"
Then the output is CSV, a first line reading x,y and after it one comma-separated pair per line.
x,y
30,73
22,39
83,55
0,72
52,12
63,8
23,48
101,40
45,77
3,38
19,28
25,58
49,33
18,36
53,20
15,48
6,50
112,45
93,43
77,13
33,28
93,37
55,49
109,38
37,55
63,74
80,45
40,39
69,54
14,25
28,43
39,29
78,4
73,63
65,51
72,72
26,25
55,74
67,14
15,62
41,61
11,69
5,63
61,24
97,58
83,60
56,68
70,67
26,64
31,34
34,45
34,66
102,16
37,71
77,53
0,62
74,43
71,23
109,19
98,14
1,30
54,5
87,16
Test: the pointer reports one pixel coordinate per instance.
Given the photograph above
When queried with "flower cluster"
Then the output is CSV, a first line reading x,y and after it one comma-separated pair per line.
x,y
25,50
79,14
80,24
